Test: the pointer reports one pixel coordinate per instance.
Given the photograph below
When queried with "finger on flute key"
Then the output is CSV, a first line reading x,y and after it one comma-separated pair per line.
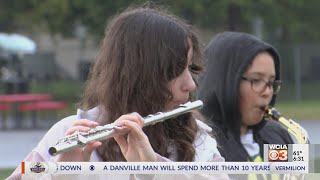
x,y
85,122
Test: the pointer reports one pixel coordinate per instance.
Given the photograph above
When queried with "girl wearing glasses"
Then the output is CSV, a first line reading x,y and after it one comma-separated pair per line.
x,y
241,80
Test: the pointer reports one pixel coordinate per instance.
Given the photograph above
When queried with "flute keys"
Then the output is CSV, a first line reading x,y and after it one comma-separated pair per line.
x,y
109,127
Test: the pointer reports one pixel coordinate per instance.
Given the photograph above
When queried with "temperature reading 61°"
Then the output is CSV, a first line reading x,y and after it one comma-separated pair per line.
x,y
297,153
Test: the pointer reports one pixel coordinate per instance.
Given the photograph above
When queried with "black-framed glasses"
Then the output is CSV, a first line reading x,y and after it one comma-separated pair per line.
x,y
260,85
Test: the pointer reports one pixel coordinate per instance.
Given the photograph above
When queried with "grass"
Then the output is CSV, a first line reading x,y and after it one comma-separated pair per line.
x,y
4,173
63,90
317,166
303,110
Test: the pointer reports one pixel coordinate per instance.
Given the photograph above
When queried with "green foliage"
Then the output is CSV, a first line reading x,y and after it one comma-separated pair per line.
x,y
63,90
12,13
60,16
295,20
289,21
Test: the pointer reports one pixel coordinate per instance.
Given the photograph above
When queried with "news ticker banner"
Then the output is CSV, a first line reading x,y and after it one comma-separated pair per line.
x,y
278,158
165,167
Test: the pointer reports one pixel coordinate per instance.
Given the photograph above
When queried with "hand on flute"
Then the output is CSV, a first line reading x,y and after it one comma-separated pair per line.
x,y
82,153
135,146
133,142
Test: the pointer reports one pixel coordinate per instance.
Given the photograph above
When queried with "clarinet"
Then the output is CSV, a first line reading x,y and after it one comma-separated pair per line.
x,y
101,133
296,131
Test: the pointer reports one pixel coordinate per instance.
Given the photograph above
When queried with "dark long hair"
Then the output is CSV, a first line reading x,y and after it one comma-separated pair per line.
x,y
143,49
228,56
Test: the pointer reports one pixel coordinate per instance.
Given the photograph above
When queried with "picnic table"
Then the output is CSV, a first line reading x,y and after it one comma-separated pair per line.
x,y
15,100
19,98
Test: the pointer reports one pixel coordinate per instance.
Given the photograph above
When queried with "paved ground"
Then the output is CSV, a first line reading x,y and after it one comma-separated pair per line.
x,y
313,128
16,144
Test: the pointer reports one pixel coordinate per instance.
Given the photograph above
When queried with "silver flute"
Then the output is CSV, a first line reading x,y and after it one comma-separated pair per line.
x,y
101,133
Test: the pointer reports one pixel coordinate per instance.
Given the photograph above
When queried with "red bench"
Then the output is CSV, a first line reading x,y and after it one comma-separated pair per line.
x,y
37,106
17,98
43,105
4,107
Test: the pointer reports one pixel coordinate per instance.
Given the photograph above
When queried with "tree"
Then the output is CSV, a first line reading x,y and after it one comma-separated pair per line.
x,y
289,21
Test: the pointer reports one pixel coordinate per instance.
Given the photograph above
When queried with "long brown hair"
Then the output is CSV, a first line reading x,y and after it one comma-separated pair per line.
x,y
143,49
